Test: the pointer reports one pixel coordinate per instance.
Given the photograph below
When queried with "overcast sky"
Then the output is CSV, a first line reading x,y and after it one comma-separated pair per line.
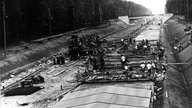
x,y
156,6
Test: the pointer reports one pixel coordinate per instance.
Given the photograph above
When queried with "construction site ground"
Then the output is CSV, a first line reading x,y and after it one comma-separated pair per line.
x,y
177,84
55,76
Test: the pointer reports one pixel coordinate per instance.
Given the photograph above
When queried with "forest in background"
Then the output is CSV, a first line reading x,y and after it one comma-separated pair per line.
x,y
180,7
32,19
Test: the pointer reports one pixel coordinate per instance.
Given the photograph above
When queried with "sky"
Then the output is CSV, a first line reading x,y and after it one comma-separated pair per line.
x,y
156,6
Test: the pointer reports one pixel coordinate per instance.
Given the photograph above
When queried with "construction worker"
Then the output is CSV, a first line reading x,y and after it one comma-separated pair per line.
x,y
54,60
122,41
147,42
130,41
175,49
176,40
126,71
126,67
163,70
180,47
95,64
62,59
136,49
162,50
144,48
153,66
58,59
90,64
123,60
134,41
142,67
191,35
102,61
159,56
149,66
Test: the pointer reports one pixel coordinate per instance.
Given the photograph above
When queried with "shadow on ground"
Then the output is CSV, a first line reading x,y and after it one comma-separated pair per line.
x,y
22,91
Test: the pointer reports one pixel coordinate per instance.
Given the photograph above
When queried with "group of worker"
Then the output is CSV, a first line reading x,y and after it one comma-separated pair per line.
x,y
142,47
96,62
148,67
153,67
128,41
58,59
80,46
160,53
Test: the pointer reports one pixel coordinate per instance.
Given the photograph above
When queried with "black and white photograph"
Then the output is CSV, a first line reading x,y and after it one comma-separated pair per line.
x,y
95,53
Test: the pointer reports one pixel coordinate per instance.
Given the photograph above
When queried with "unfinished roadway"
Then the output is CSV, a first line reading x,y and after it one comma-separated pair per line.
x,y
55,76
177,85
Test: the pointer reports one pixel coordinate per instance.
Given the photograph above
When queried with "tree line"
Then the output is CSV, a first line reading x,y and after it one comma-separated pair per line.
x,y
32,19
180,7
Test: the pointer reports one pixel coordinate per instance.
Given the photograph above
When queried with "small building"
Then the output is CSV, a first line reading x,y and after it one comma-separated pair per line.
x,y
125,19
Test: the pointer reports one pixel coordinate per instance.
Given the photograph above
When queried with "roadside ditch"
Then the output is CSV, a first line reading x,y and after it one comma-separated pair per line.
x,y
178,83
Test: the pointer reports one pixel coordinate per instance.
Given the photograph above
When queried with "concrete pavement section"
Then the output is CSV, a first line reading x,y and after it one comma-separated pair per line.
x,y
153,31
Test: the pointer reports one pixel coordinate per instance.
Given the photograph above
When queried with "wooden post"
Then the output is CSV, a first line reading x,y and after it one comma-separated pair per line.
x,y
93,12
187,9
74,16
4,28
191,36
50,19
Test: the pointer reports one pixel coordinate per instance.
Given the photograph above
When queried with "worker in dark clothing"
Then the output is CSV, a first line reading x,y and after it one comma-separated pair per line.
x,y
180,47
101,59
147,42
102,64
159,56
58,59
191,36
95,66
143,42
158,44
62,59
134,41
130,41
176,40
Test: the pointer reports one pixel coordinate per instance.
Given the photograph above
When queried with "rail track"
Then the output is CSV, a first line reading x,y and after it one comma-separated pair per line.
x,y
38,71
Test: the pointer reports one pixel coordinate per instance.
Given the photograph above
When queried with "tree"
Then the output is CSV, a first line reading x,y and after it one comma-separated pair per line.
x,y
32,19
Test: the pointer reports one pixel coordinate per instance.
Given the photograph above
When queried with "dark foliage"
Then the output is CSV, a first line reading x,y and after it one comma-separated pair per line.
x,y
31,19
179,7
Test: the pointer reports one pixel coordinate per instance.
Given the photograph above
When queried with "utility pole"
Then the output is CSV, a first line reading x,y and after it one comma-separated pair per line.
x,y
93,12
187,10
74,18
74,14
4,28
100,13
50,19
